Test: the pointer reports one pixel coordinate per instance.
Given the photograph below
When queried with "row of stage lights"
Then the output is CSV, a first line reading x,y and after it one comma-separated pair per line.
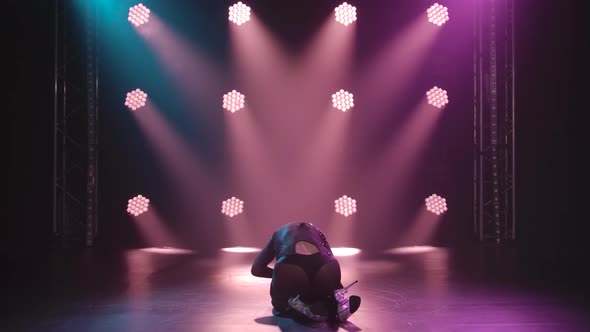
x,y
233,206
239,14
233,101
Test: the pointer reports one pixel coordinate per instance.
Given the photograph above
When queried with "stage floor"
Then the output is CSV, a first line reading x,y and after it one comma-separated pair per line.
x,y
424,289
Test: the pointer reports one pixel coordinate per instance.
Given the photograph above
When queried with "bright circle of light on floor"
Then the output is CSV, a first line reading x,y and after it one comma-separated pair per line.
x,y
167,250
339,252
412,250
241,250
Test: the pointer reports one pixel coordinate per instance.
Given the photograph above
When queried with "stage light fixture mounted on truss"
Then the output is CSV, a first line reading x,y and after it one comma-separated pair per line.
x,y
138,205
437,97
438,14
436,204
239,13
345,13
232,207
138,14
233,101
343,100
135,99
345,205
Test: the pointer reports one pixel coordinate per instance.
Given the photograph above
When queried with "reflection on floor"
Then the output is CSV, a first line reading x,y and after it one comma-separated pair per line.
x,y
164,289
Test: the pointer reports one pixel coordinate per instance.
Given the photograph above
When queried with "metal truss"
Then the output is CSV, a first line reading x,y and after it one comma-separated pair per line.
x,y
75,125
494,122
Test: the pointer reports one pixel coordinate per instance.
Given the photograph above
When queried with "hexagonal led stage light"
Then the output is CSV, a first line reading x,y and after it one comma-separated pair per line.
x,y
345,205
437,97
138,15
436,204
138,205
135,99
345,13
233,101
438,14
343,100
232,207
239,13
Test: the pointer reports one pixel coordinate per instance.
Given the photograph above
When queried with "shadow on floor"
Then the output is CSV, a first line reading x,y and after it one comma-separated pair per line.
x,y
286,324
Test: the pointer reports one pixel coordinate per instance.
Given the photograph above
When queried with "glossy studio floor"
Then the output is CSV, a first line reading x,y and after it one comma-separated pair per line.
x,y
405,289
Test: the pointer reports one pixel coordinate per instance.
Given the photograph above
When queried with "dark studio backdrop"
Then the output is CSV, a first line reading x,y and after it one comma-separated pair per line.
x,y
551,137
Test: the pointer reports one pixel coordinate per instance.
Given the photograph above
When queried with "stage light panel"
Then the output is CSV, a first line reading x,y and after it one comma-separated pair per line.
x,y
436,204
135,99
138,15
232,207
343,100
345,205
437,97
138,205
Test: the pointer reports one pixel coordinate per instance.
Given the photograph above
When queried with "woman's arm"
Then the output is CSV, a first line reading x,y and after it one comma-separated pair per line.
x,y
265,256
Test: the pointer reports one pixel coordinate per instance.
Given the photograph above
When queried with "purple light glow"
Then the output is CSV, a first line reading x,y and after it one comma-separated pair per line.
x,y
241,250
166,250
344,251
